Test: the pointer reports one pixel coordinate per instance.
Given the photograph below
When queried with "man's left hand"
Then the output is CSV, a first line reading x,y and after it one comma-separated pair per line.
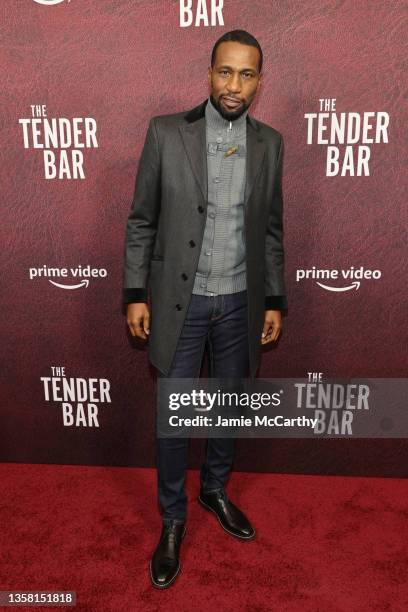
x,y
272,326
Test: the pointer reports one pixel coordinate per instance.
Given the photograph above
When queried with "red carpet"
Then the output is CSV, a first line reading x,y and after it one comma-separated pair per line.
x,y
323,543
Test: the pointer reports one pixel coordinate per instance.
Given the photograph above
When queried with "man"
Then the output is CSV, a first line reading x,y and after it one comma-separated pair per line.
x,y
205,234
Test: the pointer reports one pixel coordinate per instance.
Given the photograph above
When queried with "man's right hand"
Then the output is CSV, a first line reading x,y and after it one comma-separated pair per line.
x,y
138,319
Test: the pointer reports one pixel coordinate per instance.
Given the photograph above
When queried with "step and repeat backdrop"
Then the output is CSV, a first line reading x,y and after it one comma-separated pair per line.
x,y
80,81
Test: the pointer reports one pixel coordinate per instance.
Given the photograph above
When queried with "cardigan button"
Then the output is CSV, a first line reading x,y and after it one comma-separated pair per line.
x,y
192,243
179,307
200,209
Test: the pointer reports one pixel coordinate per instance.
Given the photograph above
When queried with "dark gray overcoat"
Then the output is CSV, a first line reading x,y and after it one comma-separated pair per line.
x,y
166,224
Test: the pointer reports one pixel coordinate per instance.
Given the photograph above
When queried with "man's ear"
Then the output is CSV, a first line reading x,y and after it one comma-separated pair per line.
x,y
209,75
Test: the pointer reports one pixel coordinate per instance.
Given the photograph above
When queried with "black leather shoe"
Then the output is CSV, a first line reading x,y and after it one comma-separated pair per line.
x,y
165,564
230,517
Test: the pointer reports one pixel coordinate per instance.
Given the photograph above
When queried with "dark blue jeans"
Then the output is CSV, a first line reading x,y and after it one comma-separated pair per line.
x,y
221,322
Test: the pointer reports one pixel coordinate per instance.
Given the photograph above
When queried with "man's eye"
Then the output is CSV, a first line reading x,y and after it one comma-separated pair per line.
x,y
224,72
247,74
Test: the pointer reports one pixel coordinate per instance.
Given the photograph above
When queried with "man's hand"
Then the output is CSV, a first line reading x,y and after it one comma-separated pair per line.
x,y
272,326
138,319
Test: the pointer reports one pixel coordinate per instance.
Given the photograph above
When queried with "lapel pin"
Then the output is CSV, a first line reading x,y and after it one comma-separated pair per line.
x,y
230,151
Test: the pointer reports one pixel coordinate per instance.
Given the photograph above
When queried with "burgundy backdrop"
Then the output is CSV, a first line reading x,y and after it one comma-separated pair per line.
x,y
120,62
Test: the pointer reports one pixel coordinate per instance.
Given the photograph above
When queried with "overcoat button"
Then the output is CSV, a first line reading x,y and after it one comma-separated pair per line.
x,y
184,276
192,243
179,307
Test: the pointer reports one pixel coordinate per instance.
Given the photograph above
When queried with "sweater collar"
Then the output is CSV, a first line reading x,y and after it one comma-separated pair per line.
x,y
217,122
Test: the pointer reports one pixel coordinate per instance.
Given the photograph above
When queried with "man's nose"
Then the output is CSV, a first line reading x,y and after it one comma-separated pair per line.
x,y
234,84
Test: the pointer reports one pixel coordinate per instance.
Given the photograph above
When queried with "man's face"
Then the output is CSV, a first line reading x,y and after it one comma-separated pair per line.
x,y
234,79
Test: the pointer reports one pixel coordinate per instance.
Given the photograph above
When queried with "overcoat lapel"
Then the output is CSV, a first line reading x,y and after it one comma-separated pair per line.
x,y
194,139
255,157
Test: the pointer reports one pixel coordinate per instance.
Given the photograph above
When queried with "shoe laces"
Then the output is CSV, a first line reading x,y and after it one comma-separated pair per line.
x,y
170,528
222,494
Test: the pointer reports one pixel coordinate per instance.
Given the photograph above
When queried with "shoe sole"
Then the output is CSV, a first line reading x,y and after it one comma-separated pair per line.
x,y
246,538
165,586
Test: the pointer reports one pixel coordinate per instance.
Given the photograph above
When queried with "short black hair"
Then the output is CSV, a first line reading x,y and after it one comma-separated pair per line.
x,y
241,36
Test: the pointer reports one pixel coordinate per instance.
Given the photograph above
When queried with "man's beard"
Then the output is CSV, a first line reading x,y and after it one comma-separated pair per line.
x,y
229,115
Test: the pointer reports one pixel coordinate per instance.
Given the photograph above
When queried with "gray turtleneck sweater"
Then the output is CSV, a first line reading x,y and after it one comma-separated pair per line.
x,y
221,267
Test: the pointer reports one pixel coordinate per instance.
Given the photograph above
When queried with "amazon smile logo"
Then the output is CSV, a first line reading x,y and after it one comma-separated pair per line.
x,y
350,278
50,2
68,278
